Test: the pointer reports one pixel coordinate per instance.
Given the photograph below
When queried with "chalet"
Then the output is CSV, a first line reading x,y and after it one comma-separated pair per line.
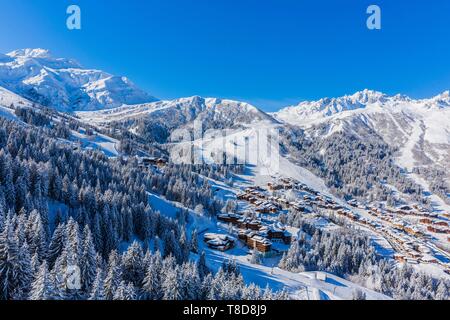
x,y
398,224
243,234
414,254
276,233
228,218
253,199
242,223
255,241
274,186
301,208
438,229
352,216
426,221
412,260
152,161
219,242
399,257
424,249
254,225
414,231
254,188
428,259
267,208
259,243
243,196
440,223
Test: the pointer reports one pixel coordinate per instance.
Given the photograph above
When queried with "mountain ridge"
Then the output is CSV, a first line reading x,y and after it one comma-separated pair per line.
x,y
63,84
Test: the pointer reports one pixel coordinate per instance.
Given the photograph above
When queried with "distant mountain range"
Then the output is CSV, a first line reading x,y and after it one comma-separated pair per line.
x,y
63,84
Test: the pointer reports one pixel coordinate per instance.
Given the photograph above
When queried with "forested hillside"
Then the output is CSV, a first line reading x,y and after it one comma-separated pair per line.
x,y
61,207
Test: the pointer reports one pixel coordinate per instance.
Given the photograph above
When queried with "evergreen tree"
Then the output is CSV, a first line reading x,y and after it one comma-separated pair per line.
x,y
88,261
41,288
98,287
114,275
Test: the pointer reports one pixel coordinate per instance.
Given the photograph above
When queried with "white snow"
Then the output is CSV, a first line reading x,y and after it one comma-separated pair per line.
x,y
64,84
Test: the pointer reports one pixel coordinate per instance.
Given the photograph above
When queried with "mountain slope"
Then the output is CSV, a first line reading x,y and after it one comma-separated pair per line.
x,y
419,128
63,84
418,131
156,121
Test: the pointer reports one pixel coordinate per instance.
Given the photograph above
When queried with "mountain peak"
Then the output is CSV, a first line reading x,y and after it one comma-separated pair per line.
x,y
442,99
64,84
443,95
368,96
30,53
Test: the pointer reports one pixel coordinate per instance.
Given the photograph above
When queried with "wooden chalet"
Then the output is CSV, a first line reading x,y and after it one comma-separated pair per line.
x,y
219,242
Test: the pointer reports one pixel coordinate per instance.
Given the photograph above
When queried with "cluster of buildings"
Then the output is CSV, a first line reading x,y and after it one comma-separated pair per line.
x,y
262,233
257,234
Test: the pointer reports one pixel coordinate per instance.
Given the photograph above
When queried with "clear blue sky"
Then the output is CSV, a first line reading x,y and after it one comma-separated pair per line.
x,y
268,52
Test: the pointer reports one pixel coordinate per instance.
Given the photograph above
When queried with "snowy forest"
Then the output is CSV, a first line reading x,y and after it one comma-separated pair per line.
x,y
105,205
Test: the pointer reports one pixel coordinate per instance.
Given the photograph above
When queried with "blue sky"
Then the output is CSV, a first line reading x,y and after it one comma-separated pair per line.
x,y
268,52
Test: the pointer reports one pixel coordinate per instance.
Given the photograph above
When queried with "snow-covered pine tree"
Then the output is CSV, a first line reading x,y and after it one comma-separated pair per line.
x,y
125,292
41,288
56,244
132,264
9,261
98,287
88,261
113,276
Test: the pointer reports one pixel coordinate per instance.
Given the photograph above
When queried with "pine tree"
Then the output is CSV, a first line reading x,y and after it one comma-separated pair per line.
x,y
203,270
98,287
125,292
114,275
255,257
171,285
25,273
194,241
58,279
132,262
152,285
56,244
442,291
41,288
88,261
37,236
9,261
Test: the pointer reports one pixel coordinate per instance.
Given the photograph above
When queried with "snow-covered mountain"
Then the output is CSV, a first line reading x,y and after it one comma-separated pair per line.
x,y
418,129
182,110
8,98
310,112
64,84
158,120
